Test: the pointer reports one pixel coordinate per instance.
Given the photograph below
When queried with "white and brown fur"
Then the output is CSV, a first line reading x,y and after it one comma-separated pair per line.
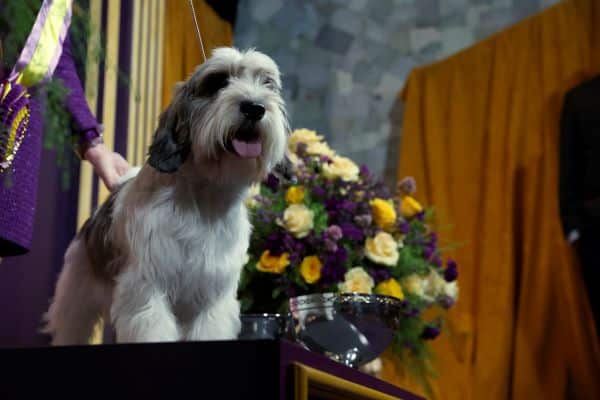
x,y
162,257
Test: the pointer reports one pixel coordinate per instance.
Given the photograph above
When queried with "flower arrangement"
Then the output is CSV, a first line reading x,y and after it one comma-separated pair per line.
x,y
337,229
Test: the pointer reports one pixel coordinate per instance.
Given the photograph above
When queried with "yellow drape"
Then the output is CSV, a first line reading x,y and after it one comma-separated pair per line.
x,y
182,50
480,135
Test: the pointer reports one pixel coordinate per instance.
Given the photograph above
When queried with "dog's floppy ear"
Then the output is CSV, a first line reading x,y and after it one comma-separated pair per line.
x,y
170,146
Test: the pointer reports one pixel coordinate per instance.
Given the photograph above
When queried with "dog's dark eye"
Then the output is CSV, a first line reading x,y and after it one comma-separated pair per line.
x,y
214,82
270,83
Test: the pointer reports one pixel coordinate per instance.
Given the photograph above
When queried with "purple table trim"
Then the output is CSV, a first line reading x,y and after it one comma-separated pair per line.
x,y
291,352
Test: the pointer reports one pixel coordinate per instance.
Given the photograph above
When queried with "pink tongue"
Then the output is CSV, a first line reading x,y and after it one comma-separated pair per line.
x,y
247,150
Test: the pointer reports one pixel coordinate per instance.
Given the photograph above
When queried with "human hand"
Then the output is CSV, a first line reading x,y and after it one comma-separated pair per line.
x,y
108,165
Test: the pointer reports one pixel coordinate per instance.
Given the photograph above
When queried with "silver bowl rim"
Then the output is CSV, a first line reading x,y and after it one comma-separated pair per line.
x,y
264,315
327,299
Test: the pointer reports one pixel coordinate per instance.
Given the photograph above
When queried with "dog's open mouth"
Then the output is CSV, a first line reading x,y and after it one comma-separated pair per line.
x,y
246,142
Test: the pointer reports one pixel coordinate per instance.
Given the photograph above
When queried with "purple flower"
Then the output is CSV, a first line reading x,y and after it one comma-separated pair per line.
x,y
347,205
437,261
428,252
272,182
363,220
433,238
331,246
265,217
430,332
275,244
352,232
334,232
407,186
410,311
451,271
364,172
404,228
312,241
420,216
445,301
263,201
332,204
319,192
382,191
325,159
380,274
334,267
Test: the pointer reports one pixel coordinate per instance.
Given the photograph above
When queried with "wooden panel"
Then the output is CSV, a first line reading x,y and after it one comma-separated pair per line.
x,y
86,177
312,384
111,75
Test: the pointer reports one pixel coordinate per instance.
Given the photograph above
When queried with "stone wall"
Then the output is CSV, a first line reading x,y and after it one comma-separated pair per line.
x,y
344,61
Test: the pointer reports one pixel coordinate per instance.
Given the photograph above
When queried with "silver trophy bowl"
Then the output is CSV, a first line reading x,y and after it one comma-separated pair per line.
x,y
351,328
264,326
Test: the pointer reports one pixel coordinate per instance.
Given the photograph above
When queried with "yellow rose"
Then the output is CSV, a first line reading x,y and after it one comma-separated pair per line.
x,y
294,195
382,249
302,136
273,264
319,149
298,220
310,269
357,280
409,207
384,213
414,284
391,287
341,167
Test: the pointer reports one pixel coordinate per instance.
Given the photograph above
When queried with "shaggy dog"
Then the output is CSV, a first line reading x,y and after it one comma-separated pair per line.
x,y
163,255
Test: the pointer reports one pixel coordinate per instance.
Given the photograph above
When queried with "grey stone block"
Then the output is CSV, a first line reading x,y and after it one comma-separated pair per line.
x,y
334,40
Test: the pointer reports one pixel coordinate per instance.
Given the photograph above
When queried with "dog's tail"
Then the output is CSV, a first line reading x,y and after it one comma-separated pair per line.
x,y
79,300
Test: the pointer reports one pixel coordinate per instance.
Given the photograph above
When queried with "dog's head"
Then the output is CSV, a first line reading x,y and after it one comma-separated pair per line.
x,y
227,118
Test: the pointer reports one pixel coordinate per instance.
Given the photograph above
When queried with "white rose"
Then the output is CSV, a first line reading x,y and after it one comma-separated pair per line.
x,y
357,280
341,167
303,136
434,285
414,284
319,149
451,290
298,220
382,249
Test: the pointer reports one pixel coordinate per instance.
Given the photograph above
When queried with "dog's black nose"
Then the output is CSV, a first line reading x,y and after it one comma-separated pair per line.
x,y
251,110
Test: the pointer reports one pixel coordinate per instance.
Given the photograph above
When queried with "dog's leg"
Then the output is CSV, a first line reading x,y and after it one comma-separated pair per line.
x,y
79,300
221,321
141,312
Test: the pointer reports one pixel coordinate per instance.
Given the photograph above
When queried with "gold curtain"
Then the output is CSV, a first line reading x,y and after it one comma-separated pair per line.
x,y
182,50
480,135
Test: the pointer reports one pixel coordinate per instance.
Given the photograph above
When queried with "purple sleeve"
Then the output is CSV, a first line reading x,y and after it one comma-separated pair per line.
x,y
84,123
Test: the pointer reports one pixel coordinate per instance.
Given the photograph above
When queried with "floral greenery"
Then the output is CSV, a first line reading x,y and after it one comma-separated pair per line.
x,y
17,18
337,229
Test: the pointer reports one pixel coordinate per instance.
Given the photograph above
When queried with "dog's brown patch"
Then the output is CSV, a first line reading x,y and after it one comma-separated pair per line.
x,y
99,243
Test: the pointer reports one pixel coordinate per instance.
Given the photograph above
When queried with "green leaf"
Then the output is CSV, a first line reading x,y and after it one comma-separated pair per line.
x,y
276,292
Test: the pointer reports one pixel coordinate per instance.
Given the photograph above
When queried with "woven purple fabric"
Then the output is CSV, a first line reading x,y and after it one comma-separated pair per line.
x,y
18,188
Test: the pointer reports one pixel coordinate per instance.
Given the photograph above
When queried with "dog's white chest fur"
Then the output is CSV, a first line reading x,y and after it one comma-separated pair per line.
x,y
193,251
